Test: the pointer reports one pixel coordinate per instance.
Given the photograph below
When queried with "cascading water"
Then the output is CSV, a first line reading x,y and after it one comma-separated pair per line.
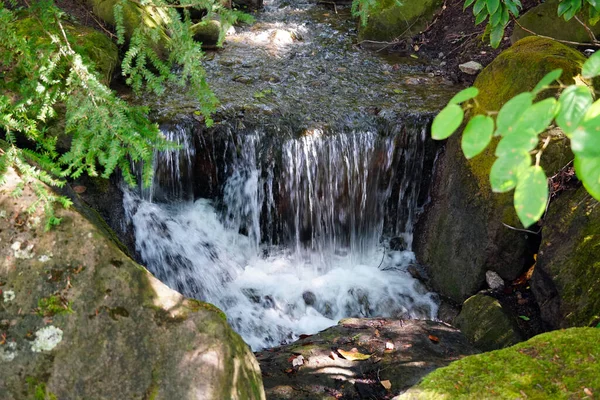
x,y
313,212
281,213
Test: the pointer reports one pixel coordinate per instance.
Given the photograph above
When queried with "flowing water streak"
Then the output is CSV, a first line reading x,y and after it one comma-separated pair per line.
x,y
313,211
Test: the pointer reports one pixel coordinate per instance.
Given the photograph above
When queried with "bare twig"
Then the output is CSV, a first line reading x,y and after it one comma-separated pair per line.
x,y
587,29
538,156
522,230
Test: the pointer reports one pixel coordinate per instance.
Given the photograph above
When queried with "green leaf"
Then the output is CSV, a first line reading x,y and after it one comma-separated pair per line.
x,y
481,17
464,95
516,142
477,135
511,112
505,171
467,4
591,68
492,6
547,80
447,122
496,35
531,195
585,140
592,112
538,116
573,104
479,5
588,171
524,317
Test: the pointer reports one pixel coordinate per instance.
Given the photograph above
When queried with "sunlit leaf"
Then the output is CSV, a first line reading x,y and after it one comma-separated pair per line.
x,y
585,140
477,135
464,95
547,80
505,170
492,6
510,113
517,142
588,171
591,68
531,195
537,117
353,355
447,122
573,104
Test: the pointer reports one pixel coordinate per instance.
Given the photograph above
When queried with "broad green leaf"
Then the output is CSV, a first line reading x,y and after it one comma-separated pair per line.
x,y
479,5
492,6
585,140
467,4
504,173
591,68
531,195
592,112
505,16
511,111
516,142
496,17
496,35
512,8
447,122
588,171
538,116
464,95
573,104
481,16
547,80
477,135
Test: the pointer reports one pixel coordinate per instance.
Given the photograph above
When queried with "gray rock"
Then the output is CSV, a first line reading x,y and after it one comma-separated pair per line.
x,y
494,280
471,67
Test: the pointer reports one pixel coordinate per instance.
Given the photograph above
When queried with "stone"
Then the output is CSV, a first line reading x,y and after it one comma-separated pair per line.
x,y
389,19
90,323
486,324
471,67
494,281
208,33
463,231
566,279
543,19
401,352
554,365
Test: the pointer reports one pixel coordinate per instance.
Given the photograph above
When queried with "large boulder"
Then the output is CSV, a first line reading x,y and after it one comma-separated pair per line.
x,y
390,19
466,229
544,20
392,353
81,320
554,365
486,324
566,280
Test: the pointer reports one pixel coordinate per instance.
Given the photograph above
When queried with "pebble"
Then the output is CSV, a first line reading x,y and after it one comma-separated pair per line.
x,y
494,280
471,67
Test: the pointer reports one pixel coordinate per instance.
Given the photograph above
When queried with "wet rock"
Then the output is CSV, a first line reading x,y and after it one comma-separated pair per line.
x,y
414,348
207,33
92,305
309,298
486,324
398,244
494,281
471,67
390,20
464,232
248,5
566,279
544,20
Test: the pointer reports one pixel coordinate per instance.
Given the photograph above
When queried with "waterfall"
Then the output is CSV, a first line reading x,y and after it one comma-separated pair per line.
x,y
295,234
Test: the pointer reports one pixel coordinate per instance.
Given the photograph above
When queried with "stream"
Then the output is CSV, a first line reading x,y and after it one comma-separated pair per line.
x,y
296,209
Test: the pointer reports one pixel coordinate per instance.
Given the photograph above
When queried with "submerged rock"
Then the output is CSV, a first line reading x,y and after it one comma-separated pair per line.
x,y
89,323
566,279
465,231
360,358
553,365
390,19
486,324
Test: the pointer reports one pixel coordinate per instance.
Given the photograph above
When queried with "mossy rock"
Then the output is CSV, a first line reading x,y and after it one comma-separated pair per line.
x,y
389,20
208,33
123,334
566,280
554,365
544,20
486,324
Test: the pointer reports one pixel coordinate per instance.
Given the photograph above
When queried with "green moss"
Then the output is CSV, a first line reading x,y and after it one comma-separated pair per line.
x,y
196,305
388,20
38,390
554,365
54,305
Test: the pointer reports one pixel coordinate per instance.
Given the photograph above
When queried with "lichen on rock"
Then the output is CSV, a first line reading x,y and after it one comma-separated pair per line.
x,y
46,339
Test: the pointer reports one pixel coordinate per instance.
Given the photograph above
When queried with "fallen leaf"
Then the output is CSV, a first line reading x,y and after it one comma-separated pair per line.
x,y
377,332
386,384
332,355
434,339
79,189
353,355
389,346
588,392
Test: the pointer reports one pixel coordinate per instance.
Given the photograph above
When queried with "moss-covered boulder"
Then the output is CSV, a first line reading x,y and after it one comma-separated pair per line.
x,y
544,20
207,32
554,365
80,320
566,280
352,359
465,231
486,324
390,19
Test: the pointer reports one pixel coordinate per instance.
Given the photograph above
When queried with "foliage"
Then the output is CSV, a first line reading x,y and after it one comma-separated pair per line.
x,y
518,126
362,8
45,77
53,305
499,12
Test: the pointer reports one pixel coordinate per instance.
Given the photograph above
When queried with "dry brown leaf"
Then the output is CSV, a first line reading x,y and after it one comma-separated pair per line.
x,y
376,332
386,384
79,189
434,339
354,355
